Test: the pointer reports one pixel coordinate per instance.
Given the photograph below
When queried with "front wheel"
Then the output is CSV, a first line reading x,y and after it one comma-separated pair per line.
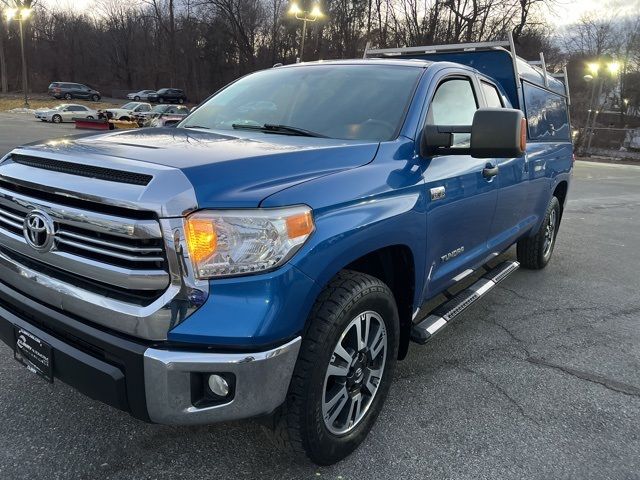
x,y
535,252
56,119
95,98
136,98
344,370
181,101
67,96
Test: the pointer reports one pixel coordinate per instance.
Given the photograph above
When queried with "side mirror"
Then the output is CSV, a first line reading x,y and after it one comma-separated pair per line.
x,y
495,133
498,133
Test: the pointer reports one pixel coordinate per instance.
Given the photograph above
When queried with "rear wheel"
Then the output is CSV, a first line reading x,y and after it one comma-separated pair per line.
x,y
56,119
181,101
535,252
95,97
68,96
90,117
343,372
160,100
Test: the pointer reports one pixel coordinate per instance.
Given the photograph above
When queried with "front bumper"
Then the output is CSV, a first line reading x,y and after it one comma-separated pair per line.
x,y
152,382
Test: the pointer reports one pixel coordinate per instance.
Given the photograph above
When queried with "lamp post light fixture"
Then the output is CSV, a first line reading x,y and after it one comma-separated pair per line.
x,y
311,16
21,14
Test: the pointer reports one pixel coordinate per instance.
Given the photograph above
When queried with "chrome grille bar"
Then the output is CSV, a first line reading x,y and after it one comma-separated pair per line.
x,y
118,246
108,253
98,222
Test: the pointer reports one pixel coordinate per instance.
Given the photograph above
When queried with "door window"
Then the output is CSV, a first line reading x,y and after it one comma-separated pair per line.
x,y
491,95
454,103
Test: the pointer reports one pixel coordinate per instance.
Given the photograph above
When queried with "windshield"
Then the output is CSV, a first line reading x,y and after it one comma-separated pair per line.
x,y
355,102
159,108
129,106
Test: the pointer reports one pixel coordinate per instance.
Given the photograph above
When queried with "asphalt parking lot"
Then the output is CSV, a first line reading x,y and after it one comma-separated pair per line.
x,y
540,380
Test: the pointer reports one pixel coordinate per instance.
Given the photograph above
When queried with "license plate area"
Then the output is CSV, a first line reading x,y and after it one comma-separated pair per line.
x,y
34,353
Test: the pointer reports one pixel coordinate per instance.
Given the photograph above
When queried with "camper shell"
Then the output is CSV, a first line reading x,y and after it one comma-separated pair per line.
x,y
543,96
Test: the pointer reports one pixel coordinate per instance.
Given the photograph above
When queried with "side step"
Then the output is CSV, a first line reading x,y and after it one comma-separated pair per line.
x,y
423,331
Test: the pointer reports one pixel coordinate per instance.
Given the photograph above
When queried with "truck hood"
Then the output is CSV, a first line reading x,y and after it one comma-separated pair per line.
x,y
226,170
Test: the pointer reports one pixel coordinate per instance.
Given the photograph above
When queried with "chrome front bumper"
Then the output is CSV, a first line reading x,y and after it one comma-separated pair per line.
x,y
261,383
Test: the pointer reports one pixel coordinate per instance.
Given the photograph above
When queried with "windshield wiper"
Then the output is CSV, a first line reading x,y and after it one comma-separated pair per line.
x,y
197,126
272,128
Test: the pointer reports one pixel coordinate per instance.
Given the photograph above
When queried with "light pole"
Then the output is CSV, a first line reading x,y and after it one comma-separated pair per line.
x,y
612,68
21,14
305,17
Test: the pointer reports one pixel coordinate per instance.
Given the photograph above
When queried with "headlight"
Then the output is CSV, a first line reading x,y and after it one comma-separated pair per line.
x,y
238,242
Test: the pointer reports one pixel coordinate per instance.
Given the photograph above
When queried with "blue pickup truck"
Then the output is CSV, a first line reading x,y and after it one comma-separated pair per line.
x,y
274,254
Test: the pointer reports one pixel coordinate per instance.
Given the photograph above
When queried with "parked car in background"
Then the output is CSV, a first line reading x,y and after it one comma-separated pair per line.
x,y
141,95
68,90
168,95
65,113
160,115
129,110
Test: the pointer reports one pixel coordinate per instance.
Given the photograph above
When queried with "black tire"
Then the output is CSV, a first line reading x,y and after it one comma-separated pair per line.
x,y
136,98
68,96
160,100
90,117
181,101
56,119
95,97
299,425
535,252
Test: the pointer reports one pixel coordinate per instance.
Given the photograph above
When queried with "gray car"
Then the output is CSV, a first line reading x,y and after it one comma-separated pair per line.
x,y
65,113
69,90
141,95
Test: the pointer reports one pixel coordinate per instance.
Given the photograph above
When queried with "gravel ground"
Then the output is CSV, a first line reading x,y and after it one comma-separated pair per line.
x,y
540,380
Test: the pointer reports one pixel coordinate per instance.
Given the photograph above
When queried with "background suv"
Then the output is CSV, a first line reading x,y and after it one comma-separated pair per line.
x,y
168,95
69,90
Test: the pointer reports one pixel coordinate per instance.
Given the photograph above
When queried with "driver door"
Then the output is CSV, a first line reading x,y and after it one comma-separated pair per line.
x,y
461,194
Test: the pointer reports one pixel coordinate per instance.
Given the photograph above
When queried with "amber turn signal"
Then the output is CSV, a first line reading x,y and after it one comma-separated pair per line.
x,y
202,238
299,225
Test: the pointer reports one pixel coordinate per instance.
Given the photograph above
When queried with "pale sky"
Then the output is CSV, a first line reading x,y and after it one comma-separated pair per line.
x,y
562,12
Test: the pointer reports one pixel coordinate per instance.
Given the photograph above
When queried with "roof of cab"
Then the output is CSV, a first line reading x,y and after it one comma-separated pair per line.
x,y
405,62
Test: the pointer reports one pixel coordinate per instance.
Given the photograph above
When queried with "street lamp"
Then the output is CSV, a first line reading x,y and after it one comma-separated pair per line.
x,y
21,14
305,17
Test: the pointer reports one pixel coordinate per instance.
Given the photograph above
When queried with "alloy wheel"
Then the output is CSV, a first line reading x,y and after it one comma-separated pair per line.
x,y
354,373
550,233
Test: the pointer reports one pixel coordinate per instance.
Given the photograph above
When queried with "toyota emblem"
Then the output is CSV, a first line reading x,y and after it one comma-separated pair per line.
x,y
39,231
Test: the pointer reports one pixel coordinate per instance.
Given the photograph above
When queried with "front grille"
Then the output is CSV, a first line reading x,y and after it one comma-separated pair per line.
x,y
80,170
117,255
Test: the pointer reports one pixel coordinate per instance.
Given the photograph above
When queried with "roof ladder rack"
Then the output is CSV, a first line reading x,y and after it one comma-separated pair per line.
x,y
458,47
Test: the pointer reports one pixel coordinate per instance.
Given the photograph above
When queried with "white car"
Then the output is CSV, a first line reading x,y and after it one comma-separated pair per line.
x,y
65,113
129,110
141,95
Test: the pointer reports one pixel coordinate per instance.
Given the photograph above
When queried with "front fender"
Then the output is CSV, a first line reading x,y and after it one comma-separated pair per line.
x,y
352,231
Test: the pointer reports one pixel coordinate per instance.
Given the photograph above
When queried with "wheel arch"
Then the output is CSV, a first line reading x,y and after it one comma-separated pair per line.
x,y
394,265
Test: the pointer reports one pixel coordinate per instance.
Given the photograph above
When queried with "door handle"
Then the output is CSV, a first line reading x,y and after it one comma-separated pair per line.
x,y
489,171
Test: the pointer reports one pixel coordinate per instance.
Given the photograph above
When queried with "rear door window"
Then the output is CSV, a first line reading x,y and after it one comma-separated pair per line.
x,y
491,95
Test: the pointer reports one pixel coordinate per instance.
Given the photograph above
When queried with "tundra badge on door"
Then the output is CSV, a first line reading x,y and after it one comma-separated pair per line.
x,y
452,254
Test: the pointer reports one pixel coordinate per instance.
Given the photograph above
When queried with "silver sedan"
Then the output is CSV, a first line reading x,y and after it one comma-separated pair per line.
x,y
65,113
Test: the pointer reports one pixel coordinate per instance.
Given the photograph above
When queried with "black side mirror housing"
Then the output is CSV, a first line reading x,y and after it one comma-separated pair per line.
x,y
498,133
495,133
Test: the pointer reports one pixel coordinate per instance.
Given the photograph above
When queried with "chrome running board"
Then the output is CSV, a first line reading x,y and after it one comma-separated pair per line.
x,y
422,331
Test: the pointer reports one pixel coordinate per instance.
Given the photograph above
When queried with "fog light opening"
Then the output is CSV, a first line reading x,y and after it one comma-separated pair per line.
x,y
218,385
